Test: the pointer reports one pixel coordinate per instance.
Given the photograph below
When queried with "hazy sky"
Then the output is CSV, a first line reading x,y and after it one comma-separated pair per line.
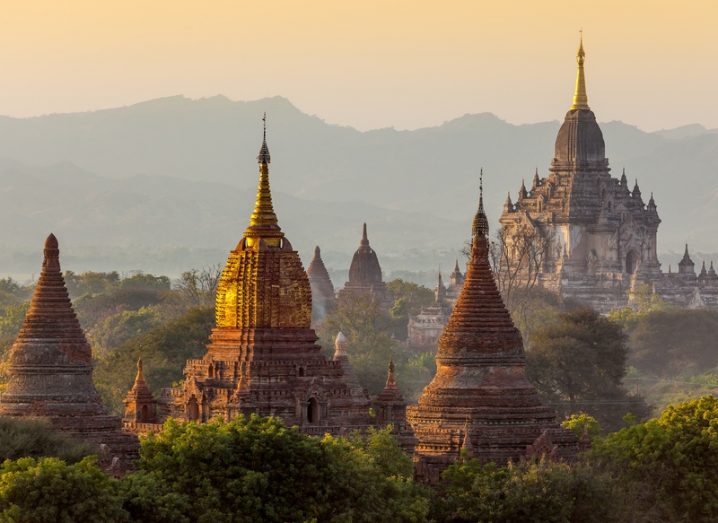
x,y
368,63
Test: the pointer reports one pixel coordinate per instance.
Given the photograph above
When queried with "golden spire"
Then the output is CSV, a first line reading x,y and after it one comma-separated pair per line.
x,y
140,377
263,221
580,99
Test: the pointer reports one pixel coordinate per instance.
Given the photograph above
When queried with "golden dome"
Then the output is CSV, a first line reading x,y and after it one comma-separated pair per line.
x,y
263,284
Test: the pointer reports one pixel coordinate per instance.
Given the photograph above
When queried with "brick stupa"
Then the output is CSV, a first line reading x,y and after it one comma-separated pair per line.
x,y
50,370
323,298
480,398
365,278
263,355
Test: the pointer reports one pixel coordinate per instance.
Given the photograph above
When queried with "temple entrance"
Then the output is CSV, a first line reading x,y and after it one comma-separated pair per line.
x,y
313,411
144,414
631,262
192,409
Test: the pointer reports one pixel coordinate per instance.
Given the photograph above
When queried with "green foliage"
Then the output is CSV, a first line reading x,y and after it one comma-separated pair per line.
x,y
12,293
164,350
368,328
10,323
668,466
146,281
90,282
578,363
674,341
528,491
115,329
644,301
581,424
383,451
147,498
408,298
21,437
257,469
50,491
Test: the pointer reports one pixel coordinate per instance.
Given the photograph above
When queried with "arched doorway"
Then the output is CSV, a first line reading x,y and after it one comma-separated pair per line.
x,y
192,409
631,262
313,411
144,414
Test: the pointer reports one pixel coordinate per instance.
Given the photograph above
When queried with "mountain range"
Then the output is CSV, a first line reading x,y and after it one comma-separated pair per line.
x,y
168,184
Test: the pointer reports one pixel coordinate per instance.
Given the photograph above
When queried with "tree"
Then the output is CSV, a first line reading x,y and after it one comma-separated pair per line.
x,y
256,469
49,490
198,287
671,342
528,491
35,438
368,328
518,257
668,465
578,363
164,350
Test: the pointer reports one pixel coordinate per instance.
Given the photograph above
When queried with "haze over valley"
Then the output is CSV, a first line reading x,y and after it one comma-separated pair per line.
x,y
167,184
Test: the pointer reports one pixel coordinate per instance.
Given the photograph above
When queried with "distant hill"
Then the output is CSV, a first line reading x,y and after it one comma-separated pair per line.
x,y
173,175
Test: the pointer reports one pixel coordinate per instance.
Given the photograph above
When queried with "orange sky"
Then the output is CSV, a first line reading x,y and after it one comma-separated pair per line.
x,y
368,63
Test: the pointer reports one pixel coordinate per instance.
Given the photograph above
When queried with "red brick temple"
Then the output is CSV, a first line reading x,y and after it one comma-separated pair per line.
x,y
262,355
50,370
480,398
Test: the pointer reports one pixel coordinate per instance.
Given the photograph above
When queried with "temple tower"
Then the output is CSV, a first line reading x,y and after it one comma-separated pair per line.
x,y
365,277
390,407
323,298
262,355
50,369
140,404
579,231
480,383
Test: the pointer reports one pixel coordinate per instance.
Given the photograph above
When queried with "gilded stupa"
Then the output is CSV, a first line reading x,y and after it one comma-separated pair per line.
x,y
480,398
263,355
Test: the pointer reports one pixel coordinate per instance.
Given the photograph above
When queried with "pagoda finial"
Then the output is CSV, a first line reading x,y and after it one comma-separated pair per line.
x,y
52,252
263,156
263,222
580,99
140,377
481,222
390,379
364,236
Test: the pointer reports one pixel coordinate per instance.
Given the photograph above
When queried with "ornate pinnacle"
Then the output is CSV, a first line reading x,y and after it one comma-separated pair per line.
x,y
390,381
263,156
580,99
481,222
263,222
364,236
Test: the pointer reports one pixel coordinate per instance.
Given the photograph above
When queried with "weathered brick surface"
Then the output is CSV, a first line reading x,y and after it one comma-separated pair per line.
x,y
50,369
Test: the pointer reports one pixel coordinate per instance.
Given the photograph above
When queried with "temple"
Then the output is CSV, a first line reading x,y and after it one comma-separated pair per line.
x,y
480,399
584,234
50,371
365,279
263,355
425,327
323,298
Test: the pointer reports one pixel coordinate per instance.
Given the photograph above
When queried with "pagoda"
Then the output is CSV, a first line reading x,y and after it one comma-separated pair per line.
x,y
323,299
480,398
50,371
365,278
263,355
